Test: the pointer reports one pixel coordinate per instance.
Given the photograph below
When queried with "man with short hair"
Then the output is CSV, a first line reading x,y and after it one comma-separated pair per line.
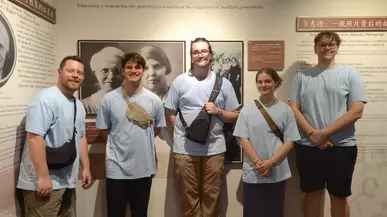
x,y
106,66
199,168
129,118
327,100
54,118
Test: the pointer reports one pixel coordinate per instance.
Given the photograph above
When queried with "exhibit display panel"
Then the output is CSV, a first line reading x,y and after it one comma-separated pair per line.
x,y
27,64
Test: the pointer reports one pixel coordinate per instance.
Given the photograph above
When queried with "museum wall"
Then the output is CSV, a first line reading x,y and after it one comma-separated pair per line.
x,y
122,23
29,66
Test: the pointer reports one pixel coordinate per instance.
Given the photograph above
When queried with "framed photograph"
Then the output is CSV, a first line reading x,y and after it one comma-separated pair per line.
x,y
227,61
7,50
165,61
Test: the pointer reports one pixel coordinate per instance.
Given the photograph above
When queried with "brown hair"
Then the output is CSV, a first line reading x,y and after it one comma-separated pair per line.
x,y
64,60
332,36
273,74
201,40
133,57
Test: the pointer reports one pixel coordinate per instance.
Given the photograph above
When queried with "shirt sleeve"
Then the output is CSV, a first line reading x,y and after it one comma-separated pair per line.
x,y
160,116
40,117
83,130
81,110
103,116
241,129
296,88
356,89
172,101
291,132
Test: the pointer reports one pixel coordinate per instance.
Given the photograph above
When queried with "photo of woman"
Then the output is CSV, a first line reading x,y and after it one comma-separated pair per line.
x,y
158,67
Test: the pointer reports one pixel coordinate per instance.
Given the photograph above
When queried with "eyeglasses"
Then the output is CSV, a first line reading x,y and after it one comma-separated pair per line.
x,y
203,52
330,45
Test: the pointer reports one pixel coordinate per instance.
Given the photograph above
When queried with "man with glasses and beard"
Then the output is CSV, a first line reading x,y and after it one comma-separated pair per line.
x,y
199,168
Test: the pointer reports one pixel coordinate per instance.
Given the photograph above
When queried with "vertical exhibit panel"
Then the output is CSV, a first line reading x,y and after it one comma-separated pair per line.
x,y
364,47
27,58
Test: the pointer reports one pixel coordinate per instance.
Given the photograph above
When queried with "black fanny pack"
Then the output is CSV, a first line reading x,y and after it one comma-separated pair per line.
x,y
200,127
65,155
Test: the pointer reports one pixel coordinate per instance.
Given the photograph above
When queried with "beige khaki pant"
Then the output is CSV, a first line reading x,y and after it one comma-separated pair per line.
x,y
57,204
199,181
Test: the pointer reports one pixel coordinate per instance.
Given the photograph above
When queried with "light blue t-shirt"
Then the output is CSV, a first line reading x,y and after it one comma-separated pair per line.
x,y
325,95
252,125
51,115
130,150
188,95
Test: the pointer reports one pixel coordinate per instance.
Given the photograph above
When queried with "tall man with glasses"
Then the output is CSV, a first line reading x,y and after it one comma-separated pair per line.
x,y
199,168
327,100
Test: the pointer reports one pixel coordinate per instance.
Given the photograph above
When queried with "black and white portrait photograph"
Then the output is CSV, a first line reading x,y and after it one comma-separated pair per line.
x,y
227,61
165,60
7,50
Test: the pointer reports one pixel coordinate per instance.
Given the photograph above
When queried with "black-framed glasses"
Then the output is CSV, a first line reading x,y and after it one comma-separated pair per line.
x,y
203,52
330,45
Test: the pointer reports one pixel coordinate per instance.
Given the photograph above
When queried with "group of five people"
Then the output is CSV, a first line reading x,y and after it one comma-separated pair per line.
x,y
325,102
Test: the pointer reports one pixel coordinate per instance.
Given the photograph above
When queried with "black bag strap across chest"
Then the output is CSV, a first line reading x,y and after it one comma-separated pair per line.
x,y
214,94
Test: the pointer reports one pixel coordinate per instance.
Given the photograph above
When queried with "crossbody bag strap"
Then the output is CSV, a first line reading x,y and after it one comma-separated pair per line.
x,y
269,121
182,119
214,94
75,116
216,90
125,95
